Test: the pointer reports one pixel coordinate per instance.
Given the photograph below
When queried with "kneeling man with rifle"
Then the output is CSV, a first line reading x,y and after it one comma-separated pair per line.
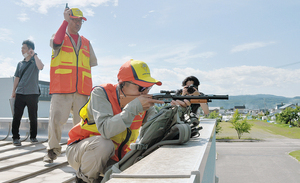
x,y
107,129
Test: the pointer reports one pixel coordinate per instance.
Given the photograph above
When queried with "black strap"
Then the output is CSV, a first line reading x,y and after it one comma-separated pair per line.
x,y
123,143
25,70
32,58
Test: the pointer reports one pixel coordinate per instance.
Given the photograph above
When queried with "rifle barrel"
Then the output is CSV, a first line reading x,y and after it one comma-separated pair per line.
x,y
169,97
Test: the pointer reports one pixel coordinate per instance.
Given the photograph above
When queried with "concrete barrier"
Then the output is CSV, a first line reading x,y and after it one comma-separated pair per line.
x,y
42,134
194,162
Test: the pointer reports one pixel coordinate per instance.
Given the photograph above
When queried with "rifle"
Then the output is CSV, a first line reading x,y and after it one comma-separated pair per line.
x,y
167,97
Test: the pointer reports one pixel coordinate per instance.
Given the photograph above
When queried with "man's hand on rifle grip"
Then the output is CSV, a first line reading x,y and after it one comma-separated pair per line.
x,y
147,101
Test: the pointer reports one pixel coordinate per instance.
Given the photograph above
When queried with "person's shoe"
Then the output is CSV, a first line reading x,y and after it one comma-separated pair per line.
x,y
17,142
79,180
33,140
50,156
98,180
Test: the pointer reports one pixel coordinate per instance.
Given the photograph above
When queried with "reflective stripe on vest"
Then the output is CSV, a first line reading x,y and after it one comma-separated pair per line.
x,y
70,72
85,129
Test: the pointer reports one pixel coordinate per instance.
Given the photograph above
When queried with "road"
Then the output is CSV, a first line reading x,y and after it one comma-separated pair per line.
x,y
258,162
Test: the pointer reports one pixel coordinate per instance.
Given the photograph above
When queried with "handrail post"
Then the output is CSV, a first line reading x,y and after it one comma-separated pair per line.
x,y
209,174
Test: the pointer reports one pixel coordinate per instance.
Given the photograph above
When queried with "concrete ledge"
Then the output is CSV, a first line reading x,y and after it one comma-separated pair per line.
x,y
26,120
238,140
190,162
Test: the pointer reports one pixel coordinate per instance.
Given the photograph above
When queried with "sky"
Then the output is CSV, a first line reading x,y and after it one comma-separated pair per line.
x,y
234,47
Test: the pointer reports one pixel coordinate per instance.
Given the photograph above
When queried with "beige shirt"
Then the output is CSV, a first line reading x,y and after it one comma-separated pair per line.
x,y
93,59
100,111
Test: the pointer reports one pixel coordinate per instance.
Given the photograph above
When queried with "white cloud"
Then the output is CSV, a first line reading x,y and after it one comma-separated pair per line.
x,y
112,61
5,35
235,80
88,12
113,13
183,58
240,80
23,17
7,66
145,16
132,45
116,3
179,54
31,38
250,46
43,6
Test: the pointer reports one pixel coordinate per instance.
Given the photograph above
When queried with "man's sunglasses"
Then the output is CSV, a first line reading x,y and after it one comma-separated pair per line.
x,y
141,88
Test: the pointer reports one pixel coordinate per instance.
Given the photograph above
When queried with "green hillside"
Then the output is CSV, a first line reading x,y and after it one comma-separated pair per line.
x,y
259,101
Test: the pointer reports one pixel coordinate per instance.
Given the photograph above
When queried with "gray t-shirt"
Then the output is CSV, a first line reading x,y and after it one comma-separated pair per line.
x,y
30,79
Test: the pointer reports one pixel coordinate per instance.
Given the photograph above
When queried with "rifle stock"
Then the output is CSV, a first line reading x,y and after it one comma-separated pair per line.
x,y
167,97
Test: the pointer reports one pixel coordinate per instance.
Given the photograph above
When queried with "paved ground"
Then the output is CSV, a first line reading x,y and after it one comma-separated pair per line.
x,y
237,162
258,162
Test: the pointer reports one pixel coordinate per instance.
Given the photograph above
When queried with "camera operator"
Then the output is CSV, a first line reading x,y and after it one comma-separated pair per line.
x,y
190,87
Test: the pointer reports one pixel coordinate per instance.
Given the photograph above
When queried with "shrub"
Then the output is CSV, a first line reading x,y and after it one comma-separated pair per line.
x,y
241,126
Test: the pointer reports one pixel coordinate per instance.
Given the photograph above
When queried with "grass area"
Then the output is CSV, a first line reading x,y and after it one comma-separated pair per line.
x,y
227,132
295,154
278,129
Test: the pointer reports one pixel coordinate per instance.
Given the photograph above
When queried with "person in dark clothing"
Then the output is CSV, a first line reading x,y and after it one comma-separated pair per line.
x,y
26,91
190,87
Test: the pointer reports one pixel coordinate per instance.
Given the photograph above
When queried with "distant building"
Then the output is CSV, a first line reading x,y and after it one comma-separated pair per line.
x,y
6,91
212,109
45,89
263,110
278,106
241,109
222,111
293,106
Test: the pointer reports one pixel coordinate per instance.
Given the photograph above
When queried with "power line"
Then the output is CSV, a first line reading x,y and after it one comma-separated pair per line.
x,y
288,65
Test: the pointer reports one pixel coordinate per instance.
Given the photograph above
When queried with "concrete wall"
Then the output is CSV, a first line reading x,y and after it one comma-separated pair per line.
x,y
44,108
6,85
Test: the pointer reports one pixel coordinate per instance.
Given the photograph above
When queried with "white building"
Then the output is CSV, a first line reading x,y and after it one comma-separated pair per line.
x,y
211,109
6,91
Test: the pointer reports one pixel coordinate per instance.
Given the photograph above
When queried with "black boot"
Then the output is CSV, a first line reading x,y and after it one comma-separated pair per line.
x,y
98,180
79,180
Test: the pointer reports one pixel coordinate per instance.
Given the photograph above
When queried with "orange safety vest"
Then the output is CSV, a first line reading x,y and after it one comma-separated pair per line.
x,y
122,141
70,72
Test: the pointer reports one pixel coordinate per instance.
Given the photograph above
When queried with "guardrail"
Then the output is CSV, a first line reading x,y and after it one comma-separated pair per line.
x,y
194,161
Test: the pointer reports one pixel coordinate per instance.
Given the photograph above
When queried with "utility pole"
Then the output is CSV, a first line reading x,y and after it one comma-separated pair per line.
x,y
265,105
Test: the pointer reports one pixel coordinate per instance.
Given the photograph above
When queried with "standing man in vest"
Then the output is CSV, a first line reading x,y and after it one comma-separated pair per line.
x,y
106,129
26,91
70,77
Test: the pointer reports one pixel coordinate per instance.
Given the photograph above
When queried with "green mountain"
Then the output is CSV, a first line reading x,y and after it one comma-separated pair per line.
x,y
260,101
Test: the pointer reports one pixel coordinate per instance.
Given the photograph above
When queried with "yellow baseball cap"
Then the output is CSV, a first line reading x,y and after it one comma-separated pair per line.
x,y
138,72
77,13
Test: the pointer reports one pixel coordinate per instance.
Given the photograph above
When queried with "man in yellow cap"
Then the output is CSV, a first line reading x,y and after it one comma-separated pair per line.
x,y
70,77
106,130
